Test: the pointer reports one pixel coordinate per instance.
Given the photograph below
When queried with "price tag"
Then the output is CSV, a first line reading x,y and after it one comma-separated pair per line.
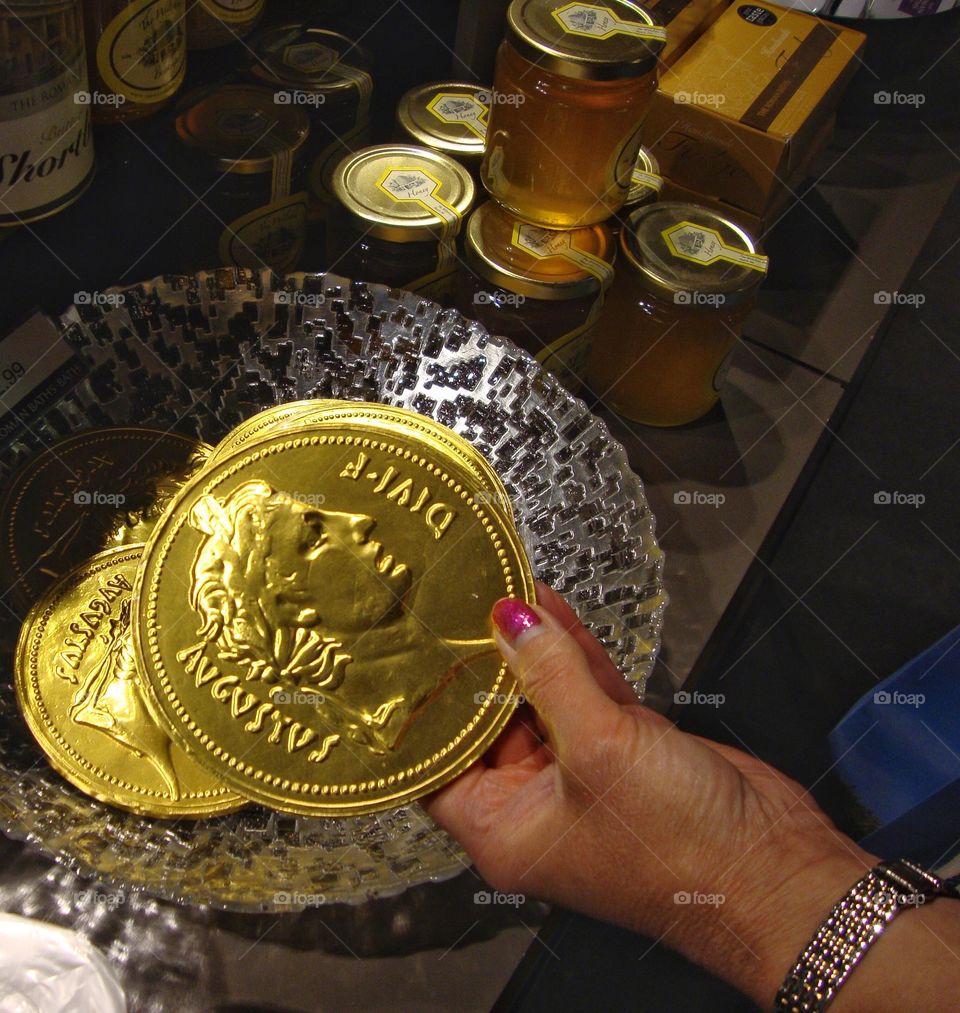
x,y
37,367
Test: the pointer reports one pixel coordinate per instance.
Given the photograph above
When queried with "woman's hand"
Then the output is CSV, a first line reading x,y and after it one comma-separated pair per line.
x,y
595,802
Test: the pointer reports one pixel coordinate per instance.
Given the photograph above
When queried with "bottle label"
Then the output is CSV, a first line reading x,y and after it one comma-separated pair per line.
x,y
703,245
466,110
413,184
233,11
594,21
142,54
270,236
542,244
46,147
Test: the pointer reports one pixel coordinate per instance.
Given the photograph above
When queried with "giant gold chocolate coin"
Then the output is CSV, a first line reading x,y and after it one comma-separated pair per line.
x,y
74,499
296,415
379,416
264,421
313,618
83,699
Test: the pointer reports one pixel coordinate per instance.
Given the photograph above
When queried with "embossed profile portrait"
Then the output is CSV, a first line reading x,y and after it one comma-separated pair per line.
x,y
111,701
306,605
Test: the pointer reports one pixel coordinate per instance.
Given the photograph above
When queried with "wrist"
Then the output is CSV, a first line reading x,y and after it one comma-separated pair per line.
x,y
776,897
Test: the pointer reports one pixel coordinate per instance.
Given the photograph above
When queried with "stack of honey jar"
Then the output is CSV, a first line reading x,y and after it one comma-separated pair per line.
x,y
531,205
557,144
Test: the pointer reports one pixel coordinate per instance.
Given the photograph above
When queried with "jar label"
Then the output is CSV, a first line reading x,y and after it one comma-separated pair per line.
x,y
703,245
413,184
594,21
542,244
640,177
233,11
270,236
46,148
466,110
438,284
142,53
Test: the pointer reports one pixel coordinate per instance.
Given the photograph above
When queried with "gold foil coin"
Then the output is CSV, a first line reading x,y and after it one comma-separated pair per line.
x,y
313,619
76,499
390,418
83,698
263,422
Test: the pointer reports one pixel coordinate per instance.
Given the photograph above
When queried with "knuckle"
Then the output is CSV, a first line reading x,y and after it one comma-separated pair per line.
x,y
546,670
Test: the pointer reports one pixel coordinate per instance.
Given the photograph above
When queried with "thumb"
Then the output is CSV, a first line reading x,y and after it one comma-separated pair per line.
x,y
554,675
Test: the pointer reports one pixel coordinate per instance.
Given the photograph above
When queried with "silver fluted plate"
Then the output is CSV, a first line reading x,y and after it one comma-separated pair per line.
x,y
200,353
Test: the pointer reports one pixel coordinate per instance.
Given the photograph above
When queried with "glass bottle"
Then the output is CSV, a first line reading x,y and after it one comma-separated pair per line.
x,y
137,56
687,278
572,87
213,23
46,149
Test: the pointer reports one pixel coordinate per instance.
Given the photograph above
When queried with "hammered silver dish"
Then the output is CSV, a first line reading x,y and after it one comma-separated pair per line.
x,y
199,354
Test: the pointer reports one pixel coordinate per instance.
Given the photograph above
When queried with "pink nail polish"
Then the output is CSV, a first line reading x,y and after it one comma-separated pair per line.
x,y
513,618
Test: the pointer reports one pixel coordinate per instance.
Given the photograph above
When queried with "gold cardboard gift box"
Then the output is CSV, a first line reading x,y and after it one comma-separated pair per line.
x,y
685,21
744,110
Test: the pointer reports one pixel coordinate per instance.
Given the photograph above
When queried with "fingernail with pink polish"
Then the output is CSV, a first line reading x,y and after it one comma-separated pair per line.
x,y
514,619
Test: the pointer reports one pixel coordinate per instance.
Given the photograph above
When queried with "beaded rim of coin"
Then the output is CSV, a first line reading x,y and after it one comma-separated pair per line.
x,y
81,771
392,419
498,698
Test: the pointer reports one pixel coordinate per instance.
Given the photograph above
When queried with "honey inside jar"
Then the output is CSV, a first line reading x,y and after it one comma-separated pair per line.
x,y
541,288
572,86
686,281
400,208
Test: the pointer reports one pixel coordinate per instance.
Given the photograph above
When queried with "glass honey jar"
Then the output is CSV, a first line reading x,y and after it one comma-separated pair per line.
x,y
447,116
400,210
572,86
137,56
328,76
213,23
542,288
687,279
245,155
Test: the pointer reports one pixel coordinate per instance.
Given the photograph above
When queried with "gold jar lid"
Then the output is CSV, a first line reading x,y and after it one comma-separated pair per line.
x,y
448,116
404,193
310,59
685,249
592,41
645,180
241,128
536,262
